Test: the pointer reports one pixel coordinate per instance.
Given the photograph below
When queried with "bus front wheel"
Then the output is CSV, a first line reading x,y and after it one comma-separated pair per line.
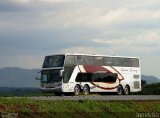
x,y
77,90
86,90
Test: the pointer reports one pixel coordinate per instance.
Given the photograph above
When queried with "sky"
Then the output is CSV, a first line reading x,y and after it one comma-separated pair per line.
x,y
32,29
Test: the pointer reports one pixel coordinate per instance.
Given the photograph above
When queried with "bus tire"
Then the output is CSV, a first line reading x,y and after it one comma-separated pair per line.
x,y
120,90
86,90
126,90
77,90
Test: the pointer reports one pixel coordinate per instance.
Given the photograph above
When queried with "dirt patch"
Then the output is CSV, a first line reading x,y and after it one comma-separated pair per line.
x,y
3,108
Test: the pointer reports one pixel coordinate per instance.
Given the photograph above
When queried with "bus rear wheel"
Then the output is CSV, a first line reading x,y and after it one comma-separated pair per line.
x,y
86,90
120,90
126,90
77,90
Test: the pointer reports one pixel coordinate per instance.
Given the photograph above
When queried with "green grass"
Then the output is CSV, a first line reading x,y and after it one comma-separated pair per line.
x,y
38,108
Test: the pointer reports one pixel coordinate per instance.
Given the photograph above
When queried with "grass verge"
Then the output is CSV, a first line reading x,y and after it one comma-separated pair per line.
x,y
88,109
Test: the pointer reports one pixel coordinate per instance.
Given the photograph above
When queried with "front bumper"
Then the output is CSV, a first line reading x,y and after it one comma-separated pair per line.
x,y
56,89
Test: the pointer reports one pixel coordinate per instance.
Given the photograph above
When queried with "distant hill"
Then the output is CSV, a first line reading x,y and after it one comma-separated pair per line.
x,y
18,77
150,79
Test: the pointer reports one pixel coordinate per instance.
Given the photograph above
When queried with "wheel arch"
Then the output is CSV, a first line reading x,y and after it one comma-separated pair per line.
x,y
87,85
128,86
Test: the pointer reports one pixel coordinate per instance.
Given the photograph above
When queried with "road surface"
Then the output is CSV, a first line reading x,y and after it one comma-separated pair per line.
x,y
100,97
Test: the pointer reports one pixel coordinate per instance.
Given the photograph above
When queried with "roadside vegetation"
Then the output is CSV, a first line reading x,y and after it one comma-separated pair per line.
x,y
151,89
93,109
147,89
22,92
27,108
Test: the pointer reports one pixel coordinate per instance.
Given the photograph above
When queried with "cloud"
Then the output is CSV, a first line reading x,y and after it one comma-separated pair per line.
x,y
83,50
22,1
18,61
147,42
39,27
77,14
13,6
58,1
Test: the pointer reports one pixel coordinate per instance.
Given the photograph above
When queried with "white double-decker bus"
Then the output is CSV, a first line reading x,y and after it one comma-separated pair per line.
x,y
87,73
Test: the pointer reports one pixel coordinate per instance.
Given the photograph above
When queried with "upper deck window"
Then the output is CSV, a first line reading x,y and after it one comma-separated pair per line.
x,y
108,61
134,62
89,60
79,60
53,61
70,60
99,61
126,62
117,61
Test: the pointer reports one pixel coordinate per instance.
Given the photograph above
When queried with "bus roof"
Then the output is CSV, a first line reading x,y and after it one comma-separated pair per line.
x,y
92,55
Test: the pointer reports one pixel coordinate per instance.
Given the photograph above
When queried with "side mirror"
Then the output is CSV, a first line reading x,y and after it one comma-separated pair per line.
x,y
38,76
61,73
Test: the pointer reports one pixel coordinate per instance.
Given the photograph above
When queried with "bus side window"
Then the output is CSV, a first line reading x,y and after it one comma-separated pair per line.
x,y
88,77
70,60
79,59
81,77
78,78
110,78
66,77
126,62
117,61
89,60
108,61
134,63
99,61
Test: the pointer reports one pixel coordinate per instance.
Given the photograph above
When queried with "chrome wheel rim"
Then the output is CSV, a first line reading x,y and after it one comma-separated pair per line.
x,y
126,91
85,90
76,90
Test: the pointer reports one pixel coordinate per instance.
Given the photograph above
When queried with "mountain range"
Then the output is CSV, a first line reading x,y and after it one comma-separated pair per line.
x,y
18,77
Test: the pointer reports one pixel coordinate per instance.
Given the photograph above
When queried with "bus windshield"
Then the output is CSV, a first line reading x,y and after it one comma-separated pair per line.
x,y
53,61
50,76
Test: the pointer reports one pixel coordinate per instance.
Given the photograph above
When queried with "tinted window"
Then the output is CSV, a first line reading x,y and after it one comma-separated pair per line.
x,y
99,61
126,62
117,61
79,60
70,60
80,77
108,61
110,78
135,62
68,70
89,60
50,76
104,77
53,61
96,77
84,77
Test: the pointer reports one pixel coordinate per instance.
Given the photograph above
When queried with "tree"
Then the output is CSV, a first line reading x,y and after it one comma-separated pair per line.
x,y
143,83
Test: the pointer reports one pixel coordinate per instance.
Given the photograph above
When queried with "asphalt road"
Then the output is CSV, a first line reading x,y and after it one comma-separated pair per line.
x,y
100,97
